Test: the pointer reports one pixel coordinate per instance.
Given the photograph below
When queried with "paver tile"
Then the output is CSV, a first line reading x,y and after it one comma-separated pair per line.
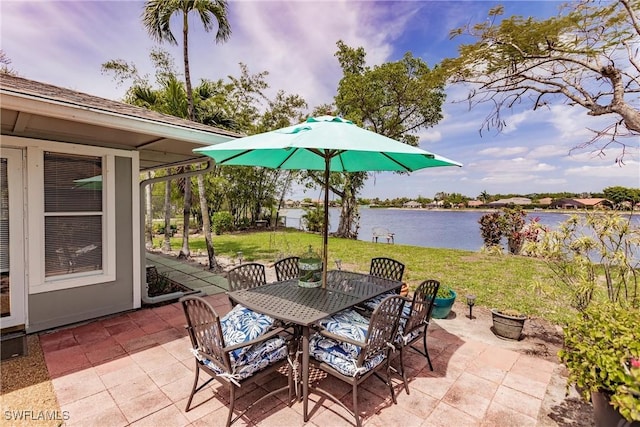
x,y
518,401
168,416
141,406
77,385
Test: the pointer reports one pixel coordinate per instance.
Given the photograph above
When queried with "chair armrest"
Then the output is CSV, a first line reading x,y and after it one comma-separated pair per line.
x,y
272,333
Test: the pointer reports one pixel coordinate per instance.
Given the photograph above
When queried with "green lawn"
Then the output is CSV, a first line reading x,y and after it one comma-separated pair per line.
x,y
506,281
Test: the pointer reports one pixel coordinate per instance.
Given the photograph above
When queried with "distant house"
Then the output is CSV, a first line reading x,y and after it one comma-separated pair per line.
x,y
434,204
474,203
520,201
592,203
412,204
311,203
545,201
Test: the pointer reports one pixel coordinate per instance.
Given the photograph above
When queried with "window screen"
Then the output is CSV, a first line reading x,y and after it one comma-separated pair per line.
x,y
73,206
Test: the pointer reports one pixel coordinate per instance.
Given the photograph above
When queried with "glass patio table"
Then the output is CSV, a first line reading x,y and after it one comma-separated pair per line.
x,y
293,304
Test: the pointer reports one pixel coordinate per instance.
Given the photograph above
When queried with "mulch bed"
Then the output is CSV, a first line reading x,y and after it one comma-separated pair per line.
x,y
28,397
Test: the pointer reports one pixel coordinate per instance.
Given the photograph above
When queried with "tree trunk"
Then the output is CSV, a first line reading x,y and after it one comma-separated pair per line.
x,y
187,72
148,223
185,252
206,223
166,244
349,217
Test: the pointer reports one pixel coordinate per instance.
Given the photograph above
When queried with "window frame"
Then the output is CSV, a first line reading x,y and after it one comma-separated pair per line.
x,y
35,165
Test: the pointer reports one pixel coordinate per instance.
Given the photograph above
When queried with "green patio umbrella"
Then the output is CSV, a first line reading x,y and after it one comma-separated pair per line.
x,y
325,143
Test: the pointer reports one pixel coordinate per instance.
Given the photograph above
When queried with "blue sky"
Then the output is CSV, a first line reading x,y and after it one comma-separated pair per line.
x,y
65,42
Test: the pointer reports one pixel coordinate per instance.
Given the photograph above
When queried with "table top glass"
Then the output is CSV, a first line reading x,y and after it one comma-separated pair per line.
x,y
304,306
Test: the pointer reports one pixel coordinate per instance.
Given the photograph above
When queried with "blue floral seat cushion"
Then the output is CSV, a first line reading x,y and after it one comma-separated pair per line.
x,y
242,325
332,353
374,302
254,359
348,324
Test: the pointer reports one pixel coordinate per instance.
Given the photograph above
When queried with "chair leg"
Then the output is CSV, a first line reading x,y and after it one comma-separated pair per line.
x,y
356,413
402,370
232,402
193,389
389,383
426,351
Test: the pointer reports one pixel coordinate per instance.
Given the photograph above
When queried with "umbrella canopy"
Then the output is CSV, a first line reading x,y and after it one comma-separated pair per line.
x,y
325,143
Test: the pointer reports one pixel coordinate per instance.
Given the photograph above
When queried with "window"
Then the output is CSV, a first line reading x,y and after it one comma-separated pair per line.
x,y
74,215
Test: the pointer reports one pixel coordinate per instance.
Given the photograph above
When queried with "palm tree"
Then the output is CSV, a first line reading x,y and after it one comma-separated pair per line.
x,y
484,196
156,19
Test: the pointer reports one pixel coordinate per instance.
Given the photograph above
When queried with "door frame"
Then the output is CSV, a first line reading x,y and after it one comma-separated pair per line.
x,y
17,265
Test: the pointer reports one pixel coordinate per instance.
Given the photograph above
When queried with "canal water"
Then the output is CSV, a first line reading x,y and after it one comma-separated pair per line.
x,y
428,228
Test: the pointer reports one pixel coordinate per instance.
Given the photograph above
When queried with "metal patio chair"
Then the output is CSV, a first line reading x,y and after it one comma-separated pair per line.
x,y
386,268
415,321
246,276
287,268
235,350
351,347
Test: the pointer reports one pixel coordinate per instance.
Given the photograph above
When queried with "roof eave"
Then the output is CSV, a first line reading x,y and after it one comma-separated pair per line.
x,y
90,115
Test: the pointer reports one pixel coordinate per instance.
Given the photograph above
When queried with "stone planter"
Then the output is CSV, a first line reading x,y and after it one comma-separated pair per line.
x,y
507,326
442,306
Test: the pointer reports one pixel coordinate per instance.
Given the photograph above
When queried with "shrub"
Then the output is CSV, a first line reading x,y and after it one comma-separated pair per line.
x,y
313,218
595,256
512,223
490,229
158,228
222,222
588,251
597,345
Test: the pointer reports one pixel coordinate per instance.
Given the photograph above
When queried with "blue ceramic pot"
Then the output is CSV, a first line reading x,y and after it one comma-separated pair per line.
x,y
442,306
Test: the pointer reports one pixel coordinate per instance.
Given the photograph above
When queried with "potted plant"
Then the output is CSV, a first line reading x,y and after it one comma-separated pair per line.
x,y
443,302
602,354
508,324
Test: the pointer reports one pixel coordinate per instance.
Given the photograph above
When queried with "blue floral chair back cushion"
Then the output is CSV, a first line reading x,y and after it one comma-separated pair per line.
x,y
346,357
242,325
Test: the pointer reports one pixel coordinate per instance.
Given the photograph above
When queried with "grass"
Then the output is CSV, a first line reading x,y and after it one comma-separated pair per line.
x,y
499,281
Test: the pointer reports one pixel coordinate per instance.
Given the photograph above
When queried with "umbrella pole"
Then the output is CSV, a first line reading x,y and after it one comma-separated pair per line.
x,y
325,230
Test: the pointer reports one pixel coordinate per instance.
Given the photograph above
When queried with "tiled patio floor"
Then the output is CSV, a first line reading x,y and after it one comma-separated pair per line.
x,y
136,369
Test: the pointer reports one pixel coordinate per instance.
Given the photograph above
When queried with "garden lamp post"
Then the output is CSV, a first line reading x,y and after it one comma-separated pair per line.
x,y
471,300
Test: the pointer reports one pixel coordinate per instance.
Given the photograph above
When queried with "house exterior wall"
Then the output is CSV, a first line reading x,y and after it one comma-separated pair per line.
x,y
75,298
61,307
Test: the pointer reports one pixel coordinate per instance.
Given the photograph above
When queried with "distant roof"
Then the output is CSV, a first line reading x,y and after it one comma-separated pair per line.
x,y
511,201
591,201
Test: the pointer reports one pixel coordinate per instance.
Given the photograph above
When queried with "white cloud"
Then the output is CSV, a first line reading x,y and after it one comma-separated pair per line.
x,y
544,151
503,151
430,136
631,171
